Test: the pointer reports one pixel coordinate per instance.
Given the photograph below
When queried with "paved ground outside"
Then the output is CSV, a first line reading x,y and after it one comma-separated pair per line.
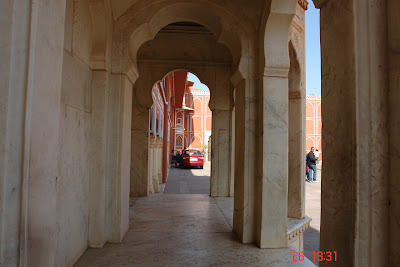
x,y
313,210
189,181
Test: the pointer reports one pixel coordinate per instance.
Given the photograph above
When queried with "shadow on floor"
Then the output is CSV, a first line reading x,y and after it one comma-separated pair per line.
x,y
311,244
188,181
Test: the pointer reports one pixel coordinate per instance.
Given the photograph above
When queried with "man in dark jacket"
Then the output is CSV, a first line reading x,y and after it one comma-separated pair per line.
x,y
311,164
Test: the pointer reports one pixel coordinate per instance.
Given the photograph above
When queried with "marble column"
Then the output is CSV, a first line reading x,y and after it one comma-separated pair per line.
x,y
231,186
337,197
355,215
46,39
97,177
244,215
140,146
274,183
15,107
118,158
220,153
221,103
297,140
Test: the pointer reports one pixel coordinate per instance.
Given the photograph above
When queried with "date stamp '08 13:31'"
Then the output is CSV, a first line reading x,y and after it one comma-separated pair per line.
x,y
318,256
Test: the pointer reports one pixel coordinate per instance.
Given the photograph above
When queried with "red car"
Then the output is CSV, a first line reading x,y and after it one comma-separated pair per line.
x,y
192,157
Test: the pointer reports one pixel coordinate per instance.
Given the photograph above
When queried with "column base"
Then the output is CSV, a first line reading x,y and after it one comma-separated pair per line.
x,y
295,231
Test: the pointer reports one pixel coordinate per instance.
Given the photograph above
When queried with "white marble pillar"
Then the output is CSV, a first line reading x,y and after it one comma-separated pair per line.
x,y
221,103
15,105
244,215
140,146
297,155
97,177
46,56
220,153
297,139
231,186
274,70
118,159
274,184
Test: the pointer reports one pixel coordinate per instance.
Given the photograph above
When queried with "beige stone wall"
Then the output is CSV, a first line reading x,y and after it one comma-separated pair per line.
x,y
75,153
45,70
80,150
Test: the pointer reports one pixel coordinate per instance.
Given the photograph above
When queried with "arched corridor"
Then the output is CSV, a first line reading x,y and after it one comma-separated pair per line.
x,y
75,108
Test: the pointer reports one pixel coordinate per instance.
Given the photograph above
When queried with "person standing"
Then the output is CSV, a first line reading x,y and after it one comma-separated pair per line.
x,y
178,158
307,170
311,164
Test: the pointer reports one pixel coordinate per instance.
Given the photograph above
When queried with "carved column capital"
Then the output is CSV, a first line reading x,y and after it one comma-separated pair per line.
x,y
303,4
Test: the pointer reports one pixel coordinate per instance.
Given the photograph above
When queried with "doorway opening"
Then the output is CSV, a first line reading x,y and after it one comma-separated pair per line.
x,y
190,139
313,130
180,135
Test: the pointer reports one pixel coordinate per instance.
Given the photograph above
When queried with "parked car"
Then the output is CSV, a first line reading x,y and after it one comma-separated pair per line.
x,y
192,157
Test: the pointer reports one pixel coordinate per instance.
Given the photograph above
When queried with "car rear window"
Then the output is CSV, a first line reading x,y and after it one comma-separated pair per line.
x,y
192,153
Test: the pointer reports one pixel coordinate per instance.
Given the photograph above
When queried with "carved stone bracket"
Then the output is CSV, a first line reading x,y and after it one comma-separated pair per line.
x,y
297,226
303,4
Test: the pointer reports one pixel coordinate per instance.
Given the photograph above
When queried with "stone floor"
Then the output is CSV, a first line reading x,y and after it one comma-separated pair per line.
x,y
197,181
181,229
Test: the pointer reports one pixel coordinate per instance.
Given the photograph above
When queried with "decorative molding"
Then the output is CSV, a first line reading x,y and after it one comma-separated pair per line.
x,y
198,92
313,97
276,72
299,226
303,4
133,74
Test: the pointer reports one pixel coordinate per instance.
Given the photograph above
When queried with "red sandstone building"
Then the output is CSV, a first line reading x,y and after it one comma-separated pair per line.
x,y
179,118
313,123
193,120
168,97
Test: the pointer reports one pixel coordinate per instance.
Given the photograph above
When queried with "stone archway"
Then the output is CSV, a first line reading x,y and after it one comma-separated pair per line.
x,y
135,29
212,63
